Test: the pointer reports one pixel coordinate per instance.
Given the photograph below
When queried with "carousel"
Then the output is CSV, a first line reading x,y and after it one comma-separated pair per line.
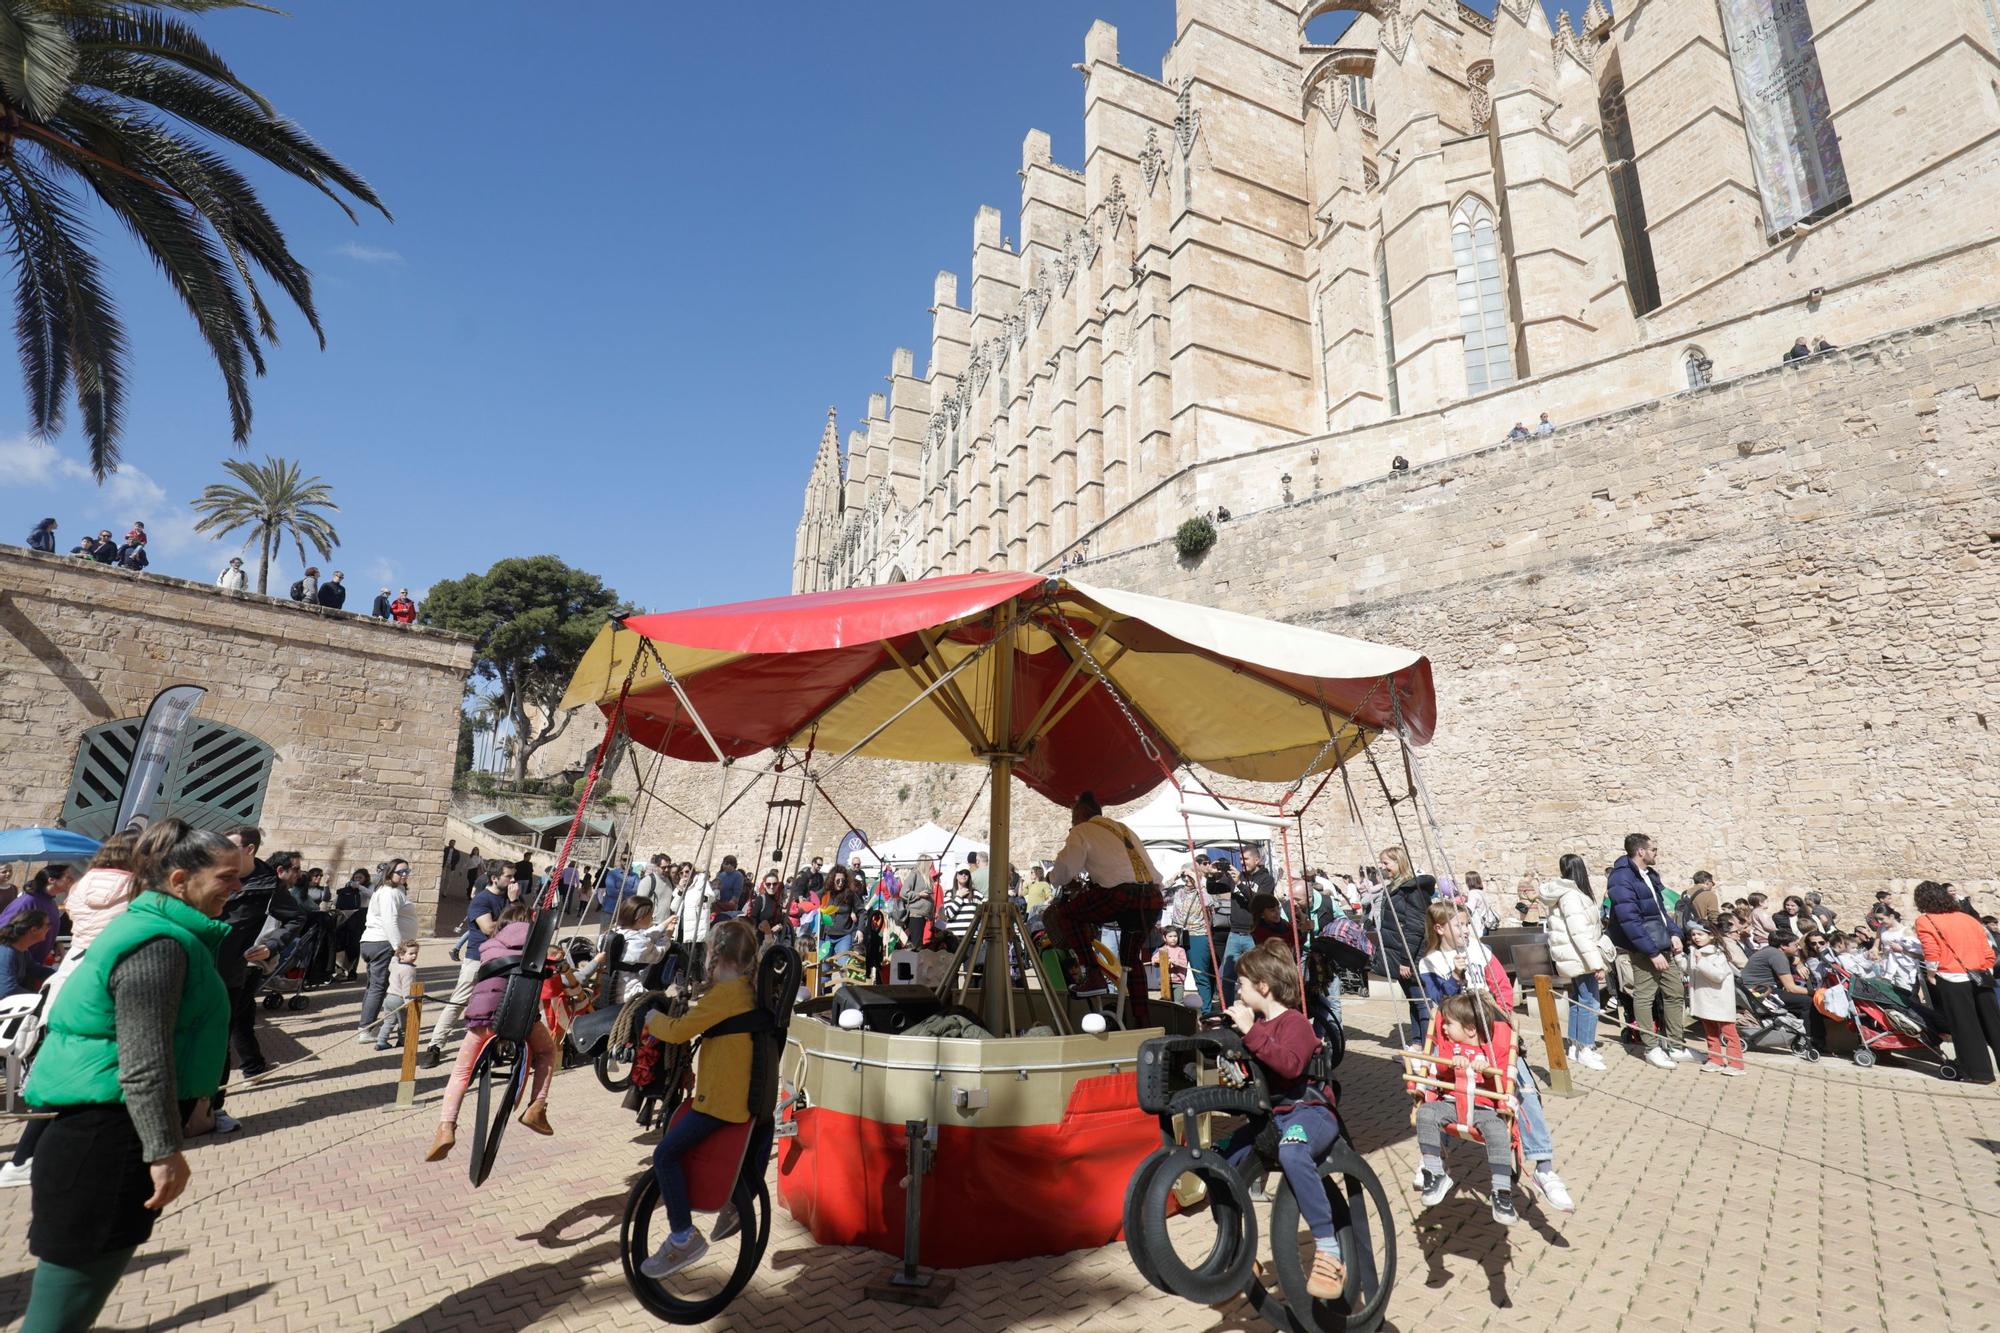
x,y
1062,687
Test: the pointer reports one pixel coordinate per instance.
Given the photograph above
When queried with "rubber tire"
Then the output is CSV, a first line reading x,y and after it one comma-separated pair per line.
x,y
1863,1056
273,1000
1134,1193
297,1003
1949,1073
1362,1187
488,1129
1225,1270
1809,1055
642,1209
603,1066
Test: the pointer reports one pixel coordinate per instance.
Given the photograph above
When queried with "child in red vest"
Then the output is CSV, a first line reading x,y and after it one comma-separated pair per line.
x,y
1475,1047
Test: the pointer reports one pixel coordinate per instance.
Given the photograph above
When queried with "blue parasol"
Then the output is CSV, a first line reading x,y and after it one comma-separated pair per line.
x,y
46,844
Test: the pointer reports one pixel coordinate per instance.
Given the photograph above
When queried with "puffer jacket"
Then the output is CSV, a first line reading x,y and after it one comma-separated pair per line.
x,y
1639,920
1712,989
506,942
1576,934
1403,915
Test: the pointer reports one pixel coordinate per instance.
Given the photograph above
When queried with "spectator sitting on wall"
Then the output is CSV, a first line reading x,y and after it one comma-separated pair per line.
x,y
136,534
85,548
1800,350
381,608
233,578
1545,426
132,555
104,550
1520,432
43,538
403,611
1821,345
306,587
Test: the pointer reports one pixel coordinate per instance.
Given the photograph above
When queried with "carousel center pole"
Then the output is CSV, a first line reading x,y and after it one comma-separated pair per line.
x,y
997,999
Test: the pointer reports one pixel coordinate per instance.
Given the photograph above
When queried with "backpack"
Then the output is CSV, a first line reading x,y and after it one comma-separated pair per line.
x,y
299,591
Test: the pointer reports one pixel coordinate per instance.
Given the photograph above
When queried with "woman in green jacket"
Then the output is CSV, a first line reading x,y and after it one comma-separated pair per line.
x,y
136,1036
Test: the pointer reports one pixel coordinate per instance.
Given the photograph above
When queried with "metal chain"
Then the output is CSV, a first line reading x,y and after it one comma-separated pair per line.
x,y
1090,660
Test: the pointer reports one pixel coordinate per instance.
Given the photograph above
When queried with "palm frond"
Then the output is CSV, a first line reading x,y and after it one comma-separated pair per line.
x,y
37,57
91,334
141,32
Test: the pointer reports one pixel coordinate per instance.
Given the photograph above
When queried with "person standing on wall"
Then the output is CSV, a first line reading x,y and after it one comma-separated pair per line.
x,y
43,538
333,593
306,587
1651,943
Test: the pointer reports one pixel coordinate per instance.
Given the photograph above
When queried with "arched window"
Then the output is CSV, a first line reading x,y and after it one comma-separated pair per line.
x,y
1700,369
1627,202
1482,309
1388,330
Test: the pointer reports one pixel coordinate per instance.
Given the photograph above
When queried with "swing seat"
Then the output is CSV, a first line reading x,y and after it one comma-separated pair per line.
x,y
1425,1086
712,1166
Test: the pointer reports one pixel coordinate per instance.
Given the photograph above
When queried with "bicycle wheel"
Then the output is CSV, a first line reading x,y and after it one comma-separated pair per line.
x,y
1367,1244
614,1068
491,1124
705,1288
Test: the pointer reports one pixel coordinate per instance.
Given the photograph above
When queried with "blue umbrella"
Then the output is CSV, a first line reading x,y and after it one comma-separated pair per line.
x,y
46,844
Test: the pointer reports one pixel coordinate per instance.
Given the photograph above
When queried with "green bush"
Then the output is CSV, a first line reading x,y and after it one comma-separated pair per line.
x,y
1193,537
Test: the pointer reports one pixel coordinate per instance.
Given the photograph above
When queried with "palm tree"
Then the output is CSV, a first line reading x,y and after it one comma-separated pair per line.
x,y
274,501
98,98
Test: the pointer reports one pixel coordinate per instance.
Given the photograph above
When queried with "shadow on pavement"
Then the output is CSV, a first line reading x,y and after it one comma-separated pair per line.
x,y
14,1286
521,1297
195,1314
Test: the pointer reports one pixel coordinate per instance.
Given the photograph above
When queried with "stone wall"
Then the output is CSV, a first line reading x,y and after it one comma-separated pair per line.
x,y
363,715
1760,621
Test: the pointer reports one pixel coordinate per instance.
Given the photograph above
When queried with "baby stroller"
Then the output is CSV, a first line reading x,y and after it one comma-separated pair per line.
x,y
1882,1020
304,960
1768,1016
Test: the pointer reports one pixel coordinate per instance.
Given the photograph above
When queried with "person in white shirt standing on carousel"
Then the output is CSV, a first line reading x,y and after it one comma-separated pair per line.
x,y
1124,890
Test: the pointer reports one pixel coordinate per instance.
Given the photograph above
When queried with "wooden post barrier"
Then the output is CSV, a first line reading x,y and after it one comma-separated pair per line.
x,y
413,1031
1552,1038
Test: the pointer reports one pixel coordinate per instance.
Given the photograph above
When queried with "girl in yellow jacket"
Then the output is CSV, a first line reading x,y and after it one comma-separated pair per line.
x,y
721,1092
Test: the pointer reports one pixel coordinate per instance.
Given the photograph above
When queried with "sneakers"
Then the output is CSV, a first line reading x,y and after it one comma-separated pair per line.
x,y
1682,1053
429,1057
1733,1071
364,1034
1659,1059
261,1072
1433,1187
1711,1069
226,1123
536,1117
11,1175
1503,1208
727,1223
671,1258
442,1143
1328,1277
1552,1189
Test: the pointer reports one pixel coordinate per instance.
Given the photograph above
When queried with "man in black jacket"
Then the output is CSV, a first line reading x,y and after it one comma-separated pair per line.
x,y
381,609
1253,879
333,593
1401,919
266,892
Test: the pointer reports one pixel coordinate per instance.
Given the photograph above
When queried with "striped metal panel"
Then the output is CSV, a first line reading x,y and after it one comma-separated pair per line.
x,y
217,779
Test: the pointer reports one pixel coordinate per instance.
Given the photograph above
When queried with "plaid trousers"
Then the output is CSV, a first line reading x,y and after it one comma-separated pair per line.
x,y
1133,908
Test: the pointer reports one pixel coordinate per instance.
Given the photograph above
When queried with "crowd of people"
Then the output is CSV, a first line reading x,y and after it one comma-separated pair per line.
x,y
309,588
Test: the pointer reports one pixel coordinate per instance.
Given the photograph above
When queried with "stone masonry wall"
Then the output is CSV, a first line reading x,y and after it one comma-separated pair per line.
x,y
1760,621
363,715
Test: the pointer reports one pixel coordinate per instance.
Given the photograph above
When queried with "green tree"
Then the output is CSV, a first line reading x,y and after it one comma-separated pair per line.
x,y
122,101
531,619
274,502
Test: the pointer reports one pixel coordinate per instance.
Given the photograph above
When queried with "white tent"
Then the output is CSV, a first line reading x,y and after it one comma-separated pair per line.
x,y
927,841
1159,823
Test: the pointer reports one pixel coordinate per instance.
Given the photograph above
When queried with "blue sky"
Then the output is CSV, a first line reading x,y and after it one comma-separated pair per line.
x,y
639,250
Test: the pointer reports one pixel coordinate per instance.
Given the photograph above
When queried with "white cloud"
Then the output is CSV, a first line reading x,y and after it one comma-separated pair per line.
x,y
27,461
369,254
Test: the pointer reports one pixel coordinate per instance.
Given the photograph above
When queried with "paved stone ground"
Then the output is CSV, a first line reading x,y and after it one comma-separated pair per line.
x,y
1802,1197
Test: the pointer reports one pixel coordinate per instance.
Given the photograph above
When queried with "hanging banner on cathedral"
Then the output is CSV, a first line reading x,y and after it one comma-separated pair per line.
x,y
1793,147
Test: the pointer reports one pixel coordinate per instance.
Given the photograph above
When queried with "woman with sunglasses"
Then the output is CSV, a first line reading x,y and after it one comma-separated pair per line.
x,y
392,921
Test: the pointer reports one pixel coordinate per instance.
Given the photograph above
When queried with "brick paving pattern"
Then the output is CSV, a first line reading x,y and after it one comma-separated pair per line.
x,y
1802,1197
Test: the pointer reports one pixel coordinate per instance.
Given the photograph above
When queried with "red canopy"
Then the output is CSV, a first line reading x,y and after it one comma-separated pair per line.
x,y
1242,696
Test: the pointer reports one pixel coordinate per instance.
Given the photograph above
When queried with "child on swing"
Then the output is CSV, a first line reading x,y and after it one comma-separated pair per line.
x,y
480,1012
1278,1035
721,1092
1473,1039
